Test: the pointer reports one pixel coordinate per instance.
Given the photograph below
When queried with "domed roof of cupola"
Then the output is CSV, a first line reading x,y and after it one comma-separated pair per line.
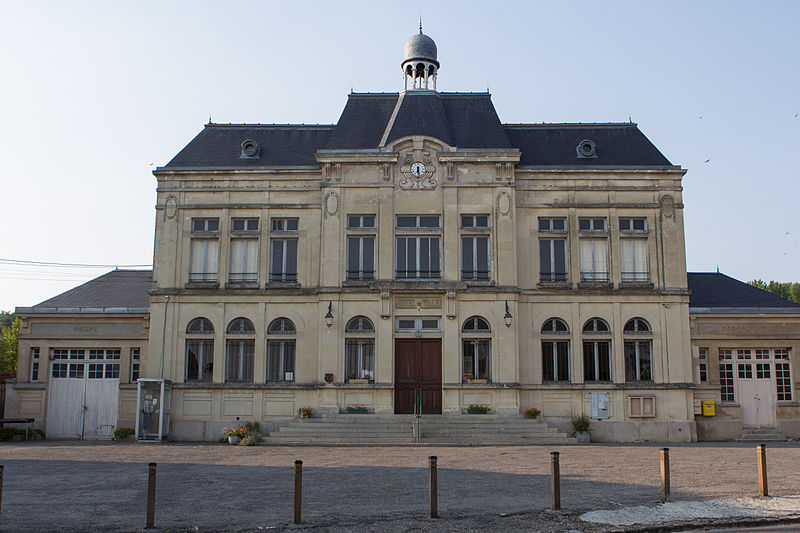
x,y
420,46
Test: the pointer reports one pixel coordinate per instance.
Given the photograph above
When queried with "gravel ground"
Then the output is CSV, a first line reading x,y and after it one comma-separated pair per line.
x,y
72,486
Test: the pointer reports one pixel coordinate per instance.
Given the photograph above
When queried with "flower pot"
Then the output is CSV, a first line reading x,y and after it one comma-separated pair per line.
x,y
583,437
234,439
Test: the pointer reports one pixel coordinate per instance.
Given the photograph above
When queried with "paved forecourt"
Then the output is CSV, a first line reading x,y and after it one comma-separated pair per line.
x,y
102,486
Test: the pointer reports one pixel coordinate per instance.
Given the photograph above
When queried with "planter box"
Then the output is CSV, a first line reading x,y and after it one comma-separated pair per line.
x,y
358,381
478,381
583,437
357,411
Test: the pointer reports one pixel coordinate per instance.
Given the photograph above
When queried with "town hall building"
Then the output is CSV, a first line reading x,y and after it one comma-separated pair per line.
x,y
422,255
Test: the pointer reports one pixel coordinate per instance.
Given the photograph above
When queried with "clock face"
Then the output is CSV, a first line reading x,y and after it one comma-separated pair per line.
x,y
417,169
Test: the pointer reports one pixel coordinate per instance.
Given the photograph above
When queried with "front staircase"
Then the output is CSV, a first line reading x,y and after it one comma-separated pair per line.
x,y
398,430
762,435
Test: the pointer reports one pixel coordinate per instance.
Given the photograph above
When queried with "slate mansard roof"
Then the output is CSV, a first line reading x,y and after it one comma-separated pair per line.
x,y
369,121
117,291
712,292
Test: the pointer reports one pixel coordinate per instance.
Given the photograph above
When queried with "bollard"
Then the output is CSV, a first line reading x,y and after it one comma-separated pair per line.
x,y
556,472
151,497
433,487
1,486
664,475
761,453
298,491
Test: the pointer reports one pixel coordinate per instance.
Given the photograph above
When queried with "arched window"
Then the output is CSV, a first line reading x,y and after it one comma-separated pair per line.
x,y
359,324
476,350
637,325
596,350
638,350
239,350
555,350
595,325
200,326
281,326
554,325
359,350
280,350
475,324
241,325
199,350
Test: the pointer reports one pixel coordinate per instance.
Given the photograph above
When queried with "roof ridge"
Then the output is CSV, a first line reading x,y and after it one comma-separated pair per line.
x,y
268,125
566,124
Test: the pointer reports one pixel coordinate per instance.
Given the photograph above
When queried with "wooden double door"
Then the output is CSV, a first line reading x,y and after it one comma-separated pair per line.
x,y
418,370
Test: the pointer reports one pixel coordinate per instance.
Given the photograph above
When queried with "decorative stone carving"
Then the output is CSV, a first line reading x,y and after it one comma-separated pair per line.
x,y
171,207
451,305
449,171
331,203
667,206
504,204
385,309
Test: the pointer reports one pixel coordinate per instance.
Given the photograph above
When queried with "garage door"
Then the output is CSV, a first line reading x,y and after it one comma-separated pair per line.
x,y
84,393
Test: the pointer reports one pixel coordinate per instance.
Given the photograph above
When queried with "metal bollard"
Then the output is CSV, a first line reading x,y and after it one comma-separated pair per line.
x,y
151,497
556,475
433,487
298,491
664,475
1,486
761,453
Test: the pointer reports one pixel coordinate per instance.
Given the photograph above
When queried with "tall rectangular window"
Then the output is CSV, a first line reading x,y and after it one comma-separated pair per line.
x,y
638,365
239,360
474,257
552,260
204,260
596,361
204,250
135,352
359,358
34,364
360,257
477,358
633,258
594,260
783,381
703,365
244,261
199,360
418,258
280,360
555,360
283,265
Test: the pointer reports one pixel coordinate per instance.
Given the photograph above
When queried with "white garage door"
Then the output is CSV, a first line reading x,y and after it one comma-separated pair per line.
x,y
84,393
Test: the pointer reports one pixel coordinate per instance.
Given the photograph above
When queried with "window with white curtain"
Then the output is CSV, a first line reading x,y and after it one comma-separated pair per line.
x,y
204,260
594,259
633,259
244,261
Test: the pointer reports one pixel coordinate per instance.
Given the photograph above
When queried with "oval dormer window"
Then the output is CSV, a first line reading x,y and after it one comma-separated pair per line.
x,y
586,149
249,149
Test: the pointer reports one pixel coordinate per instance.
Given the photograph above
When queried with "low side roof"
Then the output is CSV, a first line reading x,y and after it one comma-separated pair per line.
x,y
616,144
116,289
220,145
712,290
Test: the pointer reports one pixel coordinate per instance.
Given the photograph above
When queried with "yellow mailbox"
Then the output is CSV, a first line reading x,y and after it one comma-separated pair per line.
x,y
709,408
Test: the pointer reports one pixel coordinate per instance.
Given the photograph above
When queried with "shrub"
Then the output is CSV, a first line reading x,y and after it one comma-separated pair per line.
x,y
532,412
254,427
121,433
580,424
251,439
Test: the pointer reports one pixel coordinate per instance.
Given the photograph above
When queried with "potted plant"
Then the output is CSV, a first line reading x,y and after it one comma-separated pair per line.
x,y
235,434
531,412
305,412
580,425
358,408
479,409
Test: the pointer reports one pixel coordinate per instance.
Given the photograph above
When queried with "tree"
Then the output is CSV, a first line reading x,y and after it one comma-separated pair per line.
x,y
788,290
6,318
8,346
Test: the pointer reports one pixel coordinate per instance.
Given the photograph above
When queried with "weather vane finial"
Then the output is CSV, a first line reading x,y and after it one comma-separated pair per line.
x,y
420,22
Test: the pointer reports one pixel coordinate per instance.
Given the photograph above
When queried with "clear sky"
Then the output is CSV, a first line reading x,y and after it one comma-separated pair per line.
x,y
96,94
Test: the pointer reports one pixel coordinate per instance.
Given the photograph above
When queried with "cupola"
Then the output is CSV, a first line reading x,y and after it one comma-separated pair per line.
x,y
420,65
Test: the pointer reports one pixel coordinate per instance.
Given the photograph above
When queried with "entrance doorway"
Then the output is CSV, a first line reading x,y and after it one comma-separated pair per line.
x,y
756,394
418,369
